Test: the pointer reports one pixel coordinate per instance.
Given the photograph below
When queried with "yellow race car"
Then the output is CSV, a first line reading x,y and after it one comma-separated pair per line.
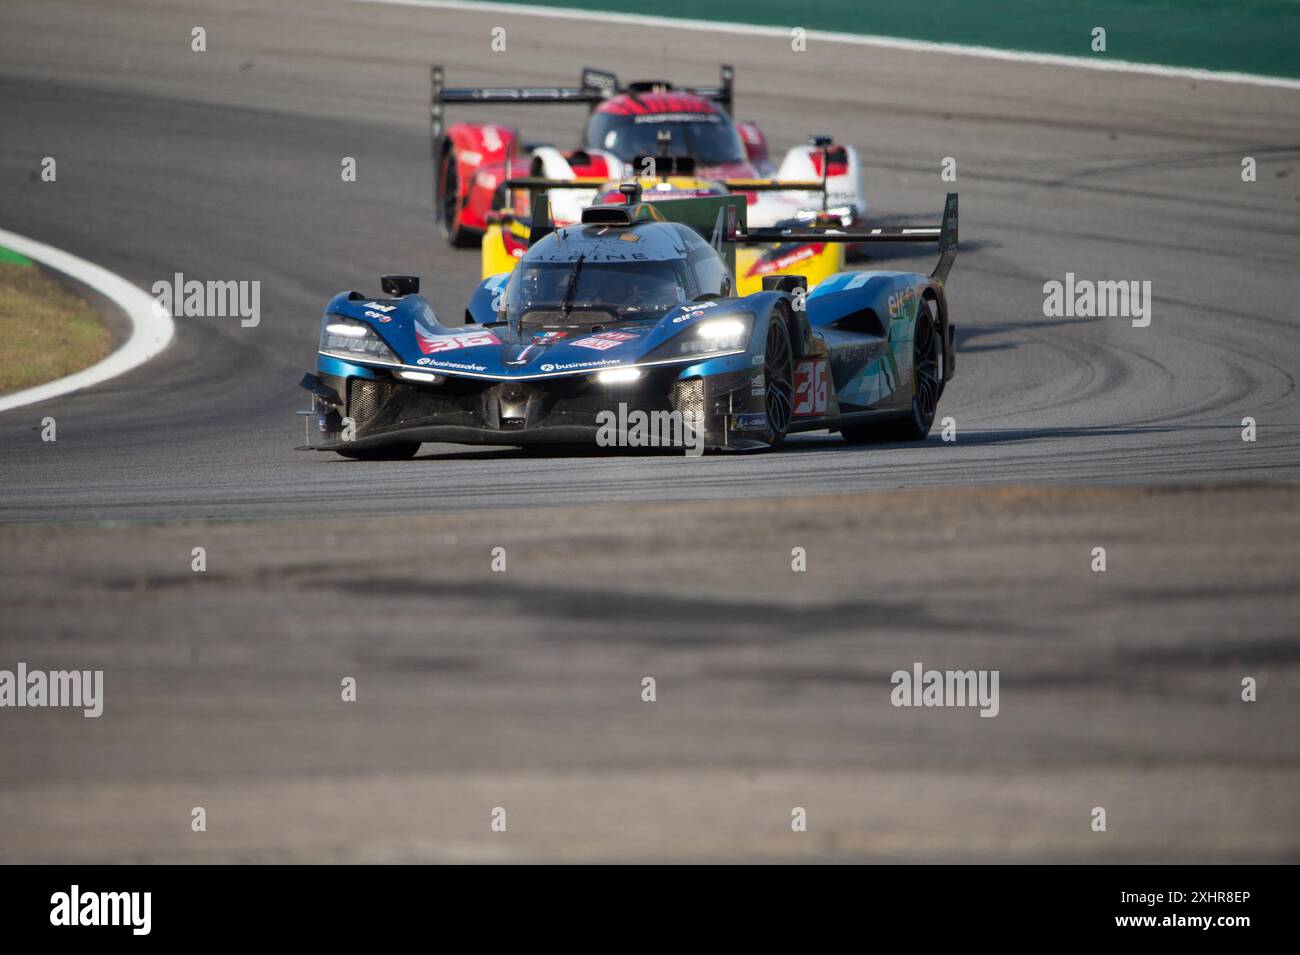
x,y
772,201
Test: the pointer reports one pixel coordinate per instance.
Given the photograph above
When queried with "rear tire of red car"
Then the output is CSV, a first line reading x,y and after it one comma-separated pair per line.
x,y
448,201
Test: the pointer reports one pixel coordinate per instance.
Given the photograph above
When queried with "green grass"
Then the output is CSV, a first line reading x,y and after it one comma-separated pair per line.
x,y
17,258
47,330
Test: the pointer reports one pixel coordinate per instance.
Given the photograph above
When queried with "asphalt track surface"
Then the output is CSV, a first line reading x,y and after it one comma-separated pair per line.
x,y
225,165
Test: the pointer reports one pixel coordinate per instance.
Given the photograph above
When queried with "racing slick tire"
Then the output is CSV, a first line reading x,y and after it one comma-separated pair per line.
x,y
778,374
448,202
927,386
397,451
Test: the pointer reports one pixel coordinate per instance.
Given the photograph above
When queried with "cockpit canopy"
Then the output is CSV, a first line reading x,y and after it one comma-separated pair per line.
x,y
595,274
629,126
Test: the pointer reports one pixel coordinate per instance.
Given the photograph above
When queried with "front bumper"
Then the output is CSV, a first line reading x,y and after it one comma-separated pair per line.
x,y
372,408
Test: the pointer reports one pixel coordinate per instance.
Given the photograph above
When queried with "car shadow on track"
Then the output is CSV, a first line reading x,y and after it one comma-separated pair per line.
x,y
809,442
828,441
806,443
1012,435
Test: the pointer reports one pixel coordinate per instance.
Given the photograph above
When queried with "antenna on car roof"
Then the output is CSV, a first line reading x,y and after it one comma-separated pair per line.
x,y
540,215
823,142
665,140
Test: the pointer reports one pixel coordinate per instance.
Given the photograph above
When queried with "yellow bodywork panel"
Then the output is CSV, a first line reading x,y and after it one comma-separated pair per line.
x,y
496,255
816,265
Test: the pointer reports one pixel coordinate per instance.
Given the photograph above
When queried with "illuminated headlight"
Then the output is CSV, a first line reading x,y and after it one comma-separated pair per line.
x,y
723,335
344,336
618,376
715,336
722,329
424,377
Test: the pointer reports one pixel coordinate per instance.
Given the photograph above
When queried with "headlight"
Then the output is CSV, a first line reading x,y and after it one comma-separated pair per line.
x,y
714,336
721,330
618,376
350,338
423,377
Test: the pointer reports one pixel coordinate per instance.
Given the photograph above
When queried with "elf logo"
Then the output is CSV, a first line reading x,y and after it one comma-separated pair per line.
x,y
900,302
103,908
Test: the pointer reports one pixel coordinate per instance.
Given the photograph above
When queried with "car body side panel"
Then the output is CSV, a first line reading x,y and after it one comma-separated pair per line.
x,y
867,321
843,180
480,147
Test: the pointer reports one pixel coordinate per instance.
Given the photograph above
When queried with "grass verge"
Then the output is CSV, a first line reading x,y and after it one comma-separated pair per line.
x,y
48,330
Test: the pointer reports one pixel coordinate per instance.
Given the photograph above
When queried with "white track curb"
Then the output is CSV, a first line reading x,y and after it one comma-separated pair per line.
x,y
152,327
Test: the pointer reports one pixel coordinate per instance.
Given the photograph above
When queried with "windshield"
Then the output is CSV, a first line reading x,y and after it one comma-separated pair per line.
x,y
707,137
584,291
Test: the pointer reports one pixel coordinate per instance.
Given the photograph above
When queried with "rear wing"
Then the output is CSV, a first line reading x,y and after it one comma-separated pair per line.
x,y
542,184
722,220
594,87
774,185
945,235
539,184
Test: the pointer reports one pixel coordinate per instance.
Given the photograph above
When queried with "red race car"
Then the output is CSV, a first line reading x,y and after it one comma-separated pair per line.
x,y
472,162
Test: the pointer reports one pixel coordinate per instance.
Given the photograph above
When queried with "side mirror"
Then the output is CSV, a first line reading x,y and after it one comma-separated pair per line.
x,y
399,285
784,283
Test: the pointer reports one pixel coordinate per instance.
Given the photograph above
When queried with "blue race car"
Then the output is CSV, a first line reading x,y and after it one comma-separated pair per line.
x,y
633,311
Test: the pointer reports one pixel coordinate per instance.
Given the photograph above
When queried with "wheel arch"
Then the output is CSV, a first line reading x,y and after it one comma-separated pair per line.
x,y
765,304
934,293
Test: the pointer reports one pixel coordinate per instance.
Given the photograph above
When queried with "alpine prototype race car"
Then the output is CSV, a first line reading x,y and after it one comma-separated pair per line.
x,y
634,309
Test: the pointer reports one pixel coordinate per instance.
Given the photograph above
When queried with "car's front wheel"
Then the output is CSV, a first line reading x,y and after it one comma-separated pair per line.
x,y
778,374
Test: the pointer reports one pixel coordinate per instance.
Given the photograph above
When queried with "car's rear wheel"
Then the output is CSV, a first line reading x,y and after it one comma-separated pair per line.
x,y
778,373
397,451
927,386
448,200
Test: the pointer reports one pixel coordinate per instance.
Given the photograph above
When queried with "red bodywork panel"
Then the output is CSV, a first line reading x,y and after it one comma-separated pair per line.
x,y
755,142
668,101
481,152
